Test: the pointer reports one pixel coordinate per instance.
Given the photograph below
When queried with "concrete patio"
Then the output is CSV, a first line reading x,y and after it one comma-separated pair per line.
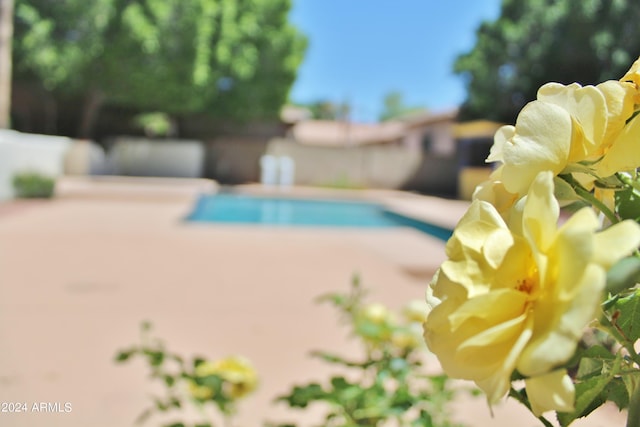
x,y
79,273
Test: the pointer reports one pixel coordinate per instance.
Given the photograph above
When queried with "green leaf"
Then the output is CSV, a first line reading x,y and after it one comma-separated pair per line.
x,y
425,420
301,396
144,416
160,405
593,361
590,394
399,364
623,275
563,190
124,355
335,299
169,380
616,392
155,357
627,204
339,360
631,381
628,316
339,383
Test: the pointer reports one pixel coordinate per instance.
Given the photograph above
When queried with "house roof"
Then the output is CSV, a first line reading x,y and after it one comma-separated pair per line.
x,y
292,114
339,133
426,118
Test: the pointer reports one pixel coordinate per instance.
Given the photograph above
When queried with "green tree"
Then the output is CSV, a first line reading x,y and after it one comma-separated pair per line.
x,y
538,41
328,110
180,57
394,107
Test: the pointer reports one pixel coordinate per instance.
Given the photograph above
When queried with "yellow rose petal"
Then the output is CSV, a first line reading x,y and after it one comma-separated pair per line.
x,y
551,392
624,153
616,242
542,142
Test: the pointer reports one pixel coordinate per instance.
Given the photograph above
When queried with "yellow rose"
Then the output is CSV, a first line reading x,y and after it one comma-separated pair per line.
x,y
375,313
568,124
494,192
375,323
519,296
563,126
406,338
633,76
236,371
416,311
200,392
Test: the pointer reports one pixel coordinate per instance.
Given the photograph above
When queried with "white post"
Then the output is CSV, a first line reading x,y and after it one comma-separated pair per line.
x,y
268,170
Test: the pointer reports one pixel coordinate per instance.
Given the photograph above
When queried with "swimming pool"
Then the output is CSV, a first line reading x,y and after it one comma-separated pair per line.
x,y
249,209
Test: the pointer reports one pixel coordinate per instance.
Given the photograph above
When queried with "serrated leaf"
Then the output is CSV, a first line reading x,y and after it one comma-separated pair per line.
x,y
628,319
616,392
588,398
593,361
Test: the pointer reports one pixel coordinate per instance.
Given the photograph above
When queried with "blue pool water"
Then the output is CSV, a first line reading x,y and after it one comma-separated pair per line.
x,y
245,209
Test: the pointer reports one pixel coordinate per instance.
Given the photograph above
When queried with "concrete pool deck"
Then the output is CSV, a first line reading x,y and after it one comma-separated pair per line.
x,y
79,273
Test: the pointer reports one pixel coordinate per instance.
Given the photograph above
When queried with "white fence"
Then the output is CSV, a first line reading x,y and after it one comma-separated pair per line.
x,y
162,158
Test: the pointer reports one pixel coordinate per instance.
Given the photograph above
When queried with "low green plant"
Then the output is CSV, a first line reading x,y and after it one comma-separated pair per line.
x,y
155,124
199,382
388,386
31,184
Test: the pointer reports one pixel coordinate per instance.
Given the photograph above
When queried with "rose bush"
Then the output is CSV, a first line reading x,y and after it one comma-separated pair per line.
x,y
519,290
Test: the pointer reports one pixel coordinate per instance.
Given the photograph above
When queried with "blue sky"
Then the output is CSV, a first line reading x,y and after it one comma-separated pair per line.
x,y
360,50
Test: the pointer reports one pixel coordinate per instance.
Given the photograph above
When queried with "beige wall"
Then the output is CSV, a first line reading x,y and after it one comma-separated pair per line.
x,y
164,157
441,134
234,160
379,166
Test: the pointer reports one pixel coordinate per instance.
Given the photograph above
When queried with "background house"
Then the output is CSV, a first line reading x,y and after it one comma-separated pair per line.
x,y
426,152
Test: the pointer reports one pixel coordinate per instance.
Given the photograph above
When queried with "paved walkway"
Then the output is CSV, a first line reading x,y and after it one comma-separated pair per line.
x,y
78,274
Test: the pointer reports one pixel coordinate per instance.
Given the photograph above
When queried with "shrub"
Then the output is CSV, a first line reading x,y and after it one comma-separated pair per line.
x,y
30,184
389,384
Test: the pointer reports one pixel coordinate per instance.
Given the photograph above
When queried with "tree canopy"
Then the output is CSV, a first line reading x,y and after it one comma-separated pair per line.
x,y
232,59
325,109
538,41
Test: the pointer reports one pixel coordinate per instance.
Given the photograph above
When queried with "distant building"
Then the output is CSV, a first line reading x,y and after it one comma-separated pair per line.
x,y
329,133
425,152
